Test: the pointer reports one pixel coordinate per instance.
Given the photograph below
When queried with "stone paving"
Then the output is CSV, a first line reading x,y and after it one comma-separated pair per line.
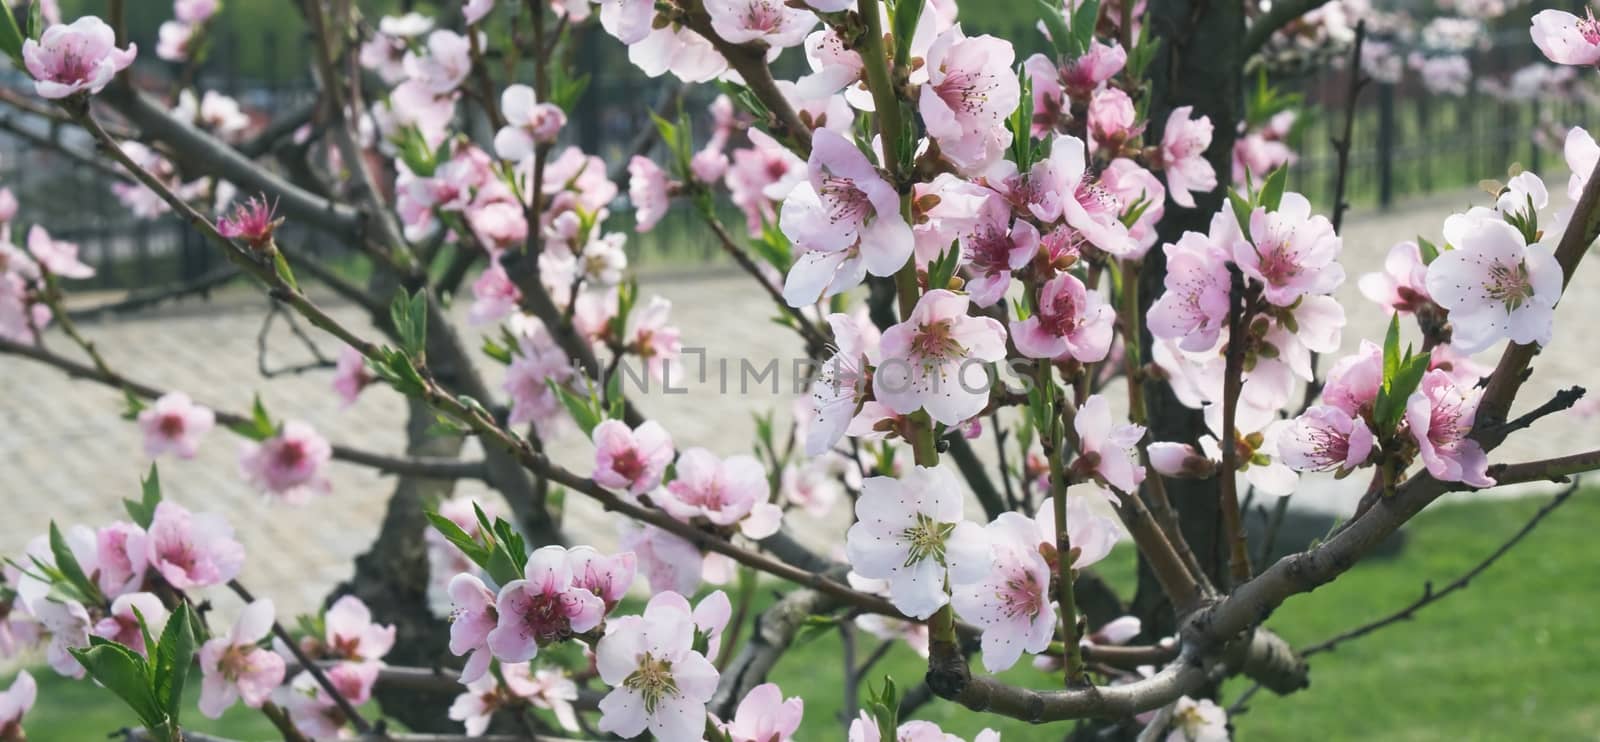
x,y
65,452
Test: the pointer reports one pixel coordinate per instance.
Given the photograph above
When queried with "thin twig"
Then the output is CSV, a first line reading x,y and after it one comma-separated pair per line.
x,y
1430,596
345,707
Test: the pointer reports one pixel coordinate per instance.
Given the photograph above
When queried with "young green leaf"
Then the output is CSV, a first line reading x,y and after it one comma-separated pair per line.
x,y
1272,190
1241,211
11,37
172,658
126,674
1083,23
584,411
143,510
1056,26
71,571
476,551
1429,251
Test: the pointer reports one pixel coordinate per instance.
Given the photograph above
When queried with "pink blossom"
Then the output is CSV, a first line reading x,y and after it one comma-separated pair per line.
x,y
840,386
476,706
1294,253
1060,188
658,680
289,465
121,625
192,551
120,558
68,625
629,21
350,375
847,218
763,174
1069,321
174,424
15,704
1353,381
1136,188
1098,64
1565,38
251,222
1120,630
536,360
1179,460
475,10
494,296
1183,147
608,577
911,532
1440,416
1582,155
528,123
546,689
726,492
970,91
953,214
444,64
765,716
649,191
57,257
937,358
1198,721
814,486
654,340
1109,448
172,41
1194,308
314,712
194,11
543,607
1012,604
1402,286
350,634
631,460
68,60
708,166
1112,120
1326,438
678,50
472,616
668,562
1093,533
834,66
771,22
1494,284
993,248
21,315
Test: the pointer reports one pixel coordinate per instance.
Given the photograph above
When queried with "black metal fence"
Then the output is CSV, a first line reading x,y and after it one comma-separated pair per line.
x,y
1406,141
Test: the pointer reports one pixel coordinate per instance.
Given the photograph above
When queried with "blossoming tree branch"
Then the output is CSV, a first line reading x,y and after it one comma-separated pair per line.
x,y
1086,260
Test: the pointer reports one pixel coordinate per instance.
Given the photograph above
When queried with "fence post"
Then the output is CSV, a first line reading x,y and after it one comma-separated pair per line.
x,y
1386,137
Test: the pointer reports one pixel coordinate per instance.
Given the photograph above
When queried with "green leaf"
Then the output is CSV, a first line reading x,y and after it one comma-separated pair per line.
x,y
1391,350
584,412
1083,23
71,571
415,152
143,510
36,19
409,314
456,535
281,265
1241,211
259,427
132,406
172,658
904,27
1272,190
1392,403
1429,251
494,349
1060,35
124,673
11,37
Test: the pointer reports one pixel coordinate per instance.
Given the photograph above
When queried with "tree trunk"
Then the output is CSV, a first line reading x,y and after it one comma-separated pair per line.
x,y
1200,64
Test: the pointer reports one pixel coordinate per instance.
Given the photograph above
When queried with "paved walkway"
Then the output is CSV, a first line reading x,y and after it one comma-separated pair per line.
x,y
65,452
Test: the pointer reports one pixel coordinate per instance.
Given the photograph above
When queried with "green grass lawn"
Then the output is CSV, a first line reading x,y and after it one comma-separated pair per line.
x,y
1511,657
